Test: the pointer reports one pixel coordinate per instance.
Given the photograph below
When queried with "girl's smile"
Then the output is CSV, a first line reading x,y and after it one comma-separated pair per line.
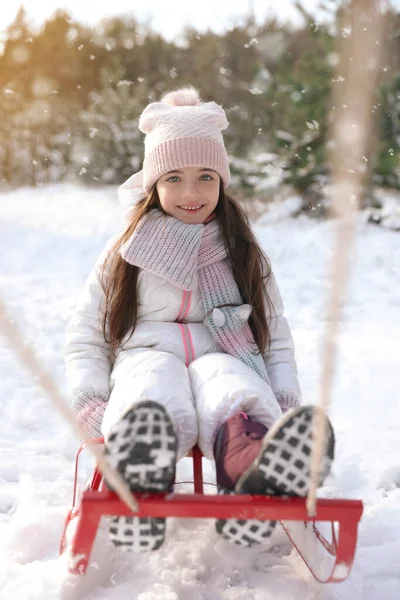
x,y
192,209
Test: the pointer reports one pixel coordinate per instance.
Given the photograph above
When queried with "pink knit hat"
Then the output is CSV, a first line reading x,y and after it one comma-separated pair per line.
x,y
182,131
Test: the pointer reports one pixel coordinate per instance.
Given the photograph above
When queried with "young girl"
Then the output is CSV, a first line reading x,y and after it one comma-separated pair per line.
x,y
179,337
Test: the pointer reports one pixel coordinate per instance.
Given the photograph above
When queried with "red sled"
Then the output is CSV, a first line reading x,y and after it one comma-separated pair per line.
x,y
327,549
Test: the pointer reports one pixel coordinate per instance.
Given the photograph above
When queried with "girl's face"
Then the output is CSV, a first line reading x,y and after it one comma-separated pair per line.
x,y
189,194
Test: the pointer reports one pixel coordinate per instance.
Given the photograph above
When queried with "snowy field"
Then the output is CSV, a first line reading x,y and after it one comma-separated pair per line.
x,y
49,239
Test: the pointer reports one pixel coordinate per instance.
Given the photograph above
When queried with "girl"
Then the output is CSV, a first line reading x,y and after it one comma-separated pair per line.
x,y
179,337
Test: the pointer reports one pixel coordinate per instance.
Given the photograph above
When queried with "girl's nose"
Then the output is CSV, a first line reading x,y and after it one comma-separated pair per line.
x,y
191,191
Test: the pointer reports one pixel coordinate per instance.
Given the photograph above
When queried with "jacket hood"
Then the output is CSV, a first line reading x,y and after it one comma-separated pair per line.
x,y
130,193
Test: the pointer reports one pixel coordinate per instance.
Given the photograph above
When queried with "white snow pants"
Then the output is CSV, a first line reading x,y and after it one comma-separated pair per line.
x,y
198,398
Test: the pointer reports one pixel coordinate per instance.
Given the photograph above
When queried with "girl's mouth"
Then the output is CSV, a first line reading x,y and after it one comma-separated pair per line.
x,y
192,209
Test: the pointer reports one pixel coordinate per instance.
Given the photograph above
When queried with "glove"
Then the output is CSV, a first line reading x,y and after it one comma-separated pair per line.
x,y
287,400
89,406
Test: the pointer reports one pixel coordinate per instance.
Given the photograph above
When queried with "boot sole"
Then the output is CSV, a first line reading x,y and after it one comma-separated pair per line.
x,y
282,468
142,447
246,533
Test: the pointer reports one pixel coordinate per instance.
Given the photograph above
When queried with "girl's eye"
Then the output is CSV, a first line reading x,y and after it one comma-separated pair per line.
x,y
173,177
209,177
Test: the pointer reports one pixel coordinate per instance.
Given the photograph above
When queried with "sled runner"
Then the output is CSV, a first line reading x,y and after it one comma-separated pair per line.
x,y
326,542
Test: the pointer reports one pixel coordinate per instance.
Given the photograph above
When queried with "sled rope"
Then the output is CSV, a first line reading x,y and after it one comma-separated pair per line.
x,y
360,56
29,360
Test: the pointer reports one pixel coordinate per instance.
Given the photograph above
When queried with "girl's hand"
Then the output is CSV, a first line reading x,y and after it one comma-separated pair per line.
x,y
287,400
89,407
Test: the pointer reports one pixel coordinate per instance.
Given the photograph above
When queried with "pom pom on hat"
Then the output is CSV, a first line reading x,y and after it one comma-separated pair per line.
x,y
184,97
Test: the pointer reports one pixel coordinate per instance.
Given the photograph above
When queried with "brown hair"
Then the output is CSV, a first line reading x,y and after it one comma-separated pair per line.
x,y
250,266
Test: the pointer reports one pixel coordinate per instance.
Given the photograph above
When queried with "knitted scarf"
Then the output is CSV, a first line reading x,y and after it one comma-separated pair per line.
x,y
188,256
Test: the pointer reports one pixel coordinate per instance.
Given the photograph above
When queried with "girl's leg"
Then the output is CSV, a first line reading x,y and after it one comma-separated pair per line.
x,y
223,386
146,374
282,467
150,412
142,447
252,457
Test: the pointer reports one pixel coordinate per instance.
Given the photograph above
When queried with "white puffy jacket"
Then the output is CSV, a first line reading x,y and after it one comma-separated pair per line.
x,y
89,361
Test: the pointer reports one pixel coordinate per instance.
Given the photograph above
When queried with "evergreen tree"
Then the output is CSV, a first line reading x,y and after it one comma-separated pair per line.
x,y
298,105
110,148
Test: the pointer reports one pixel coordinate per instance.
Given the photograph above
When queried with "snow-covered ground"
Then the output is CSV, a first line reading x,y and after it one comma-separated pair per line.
x,y
49,239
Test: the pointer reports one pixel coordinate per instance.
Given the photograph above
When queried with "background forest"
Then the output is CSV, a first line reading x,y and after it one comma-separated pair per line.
x,y
70,96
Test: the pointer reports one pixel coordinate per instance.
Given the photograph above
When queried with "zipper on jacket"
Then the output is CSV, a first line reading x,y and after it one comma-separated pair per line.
x,y
184,329
185,306
187,343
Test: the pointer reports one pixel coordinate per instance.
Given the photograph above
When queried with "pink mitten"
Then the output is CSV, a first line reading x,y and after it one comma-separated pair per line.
x,y
287,400
89,406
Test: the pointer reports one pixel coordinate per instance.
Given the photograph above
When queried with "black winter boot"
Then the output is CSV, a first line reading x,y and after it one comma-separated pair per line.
x,y
142,448
281,468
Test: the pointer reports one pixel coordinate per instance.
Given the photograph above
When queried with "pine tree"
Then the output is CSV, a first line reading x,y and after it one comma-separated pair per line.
x,y
110,148
298,102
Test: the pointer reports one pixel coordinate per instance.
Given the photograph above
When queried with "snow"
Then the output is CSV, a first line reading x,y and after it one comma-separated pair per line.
x,y
387,213
50,238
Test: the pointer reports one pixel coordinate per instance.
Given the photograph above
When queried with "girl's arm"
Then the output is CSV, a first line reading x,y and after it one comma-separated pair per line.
x,y
88,357
280,360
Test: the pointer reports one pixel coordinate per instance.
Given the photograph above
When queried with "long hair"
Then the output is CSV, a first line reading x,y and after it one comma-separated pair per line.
x,y
250,266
